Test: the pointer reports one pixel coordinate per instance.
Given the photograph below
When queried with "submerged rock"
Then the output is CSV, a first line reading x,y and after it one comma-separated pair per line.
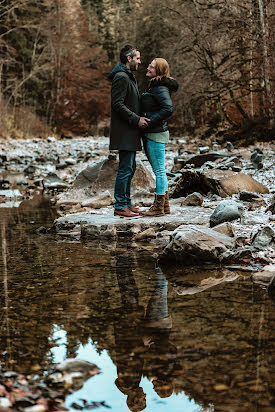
x,y
72,373
265,276
191,245
226,211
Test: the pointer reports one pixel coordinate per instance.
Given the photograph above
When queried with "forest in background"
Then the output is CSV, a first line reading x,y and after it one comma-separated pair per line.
x,y
55,56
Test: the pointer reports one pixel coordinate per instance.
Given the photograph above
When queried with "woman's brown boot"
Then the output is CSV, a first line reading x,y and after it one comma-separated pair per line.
x,y
166,204
157,208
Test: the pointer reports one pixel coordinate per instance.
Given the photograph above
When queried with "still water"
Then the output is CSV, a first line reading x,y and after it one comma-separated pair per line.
x,y
165,339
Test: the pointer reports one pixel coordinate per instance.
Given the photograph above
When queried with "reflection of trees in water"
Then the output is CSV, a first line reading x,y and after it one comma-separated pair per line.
x,y
220,350
48,283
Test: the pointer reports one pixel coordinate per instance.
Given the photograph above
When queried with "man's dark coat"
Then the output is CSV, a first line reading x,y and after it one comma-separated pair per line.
x,y
124,131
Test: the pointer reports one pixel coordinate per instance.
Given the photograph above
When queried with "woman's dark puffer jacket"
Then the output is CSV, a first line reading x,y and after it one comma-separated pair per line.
x,y
156,103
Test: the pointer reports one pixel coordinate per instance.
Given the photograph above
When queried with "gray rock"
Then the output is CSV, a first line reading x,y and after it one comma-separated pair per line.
x,y
245,253
191,245
194,199
257,158
204,149
97,202
199,160
248,196
101,176
94,225
263,238
271,207
52,181
229,146
254,218
226,211
70,161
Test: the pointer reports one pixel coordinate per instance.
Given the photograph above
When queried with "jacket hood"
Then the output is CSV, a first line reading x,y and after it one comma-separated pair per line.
x,y
169,82
121,67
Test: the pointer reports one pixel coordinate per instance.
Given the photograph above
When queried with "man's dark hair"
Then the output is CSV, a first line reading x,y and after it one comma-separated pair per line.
x,y
127,50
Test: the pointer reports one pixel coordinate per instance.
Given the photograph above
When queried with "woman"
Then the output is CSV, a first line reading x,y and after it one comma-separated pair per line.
x,y
156,104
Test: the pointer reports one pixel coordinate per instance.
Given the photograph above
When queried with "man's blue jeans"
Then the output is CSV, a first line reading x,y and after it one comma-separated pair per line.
x,y
125,173
155,153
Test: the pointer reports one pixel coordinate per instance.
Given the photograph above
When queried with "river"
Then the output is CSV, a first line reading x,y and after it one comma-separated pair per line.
x,y
161,342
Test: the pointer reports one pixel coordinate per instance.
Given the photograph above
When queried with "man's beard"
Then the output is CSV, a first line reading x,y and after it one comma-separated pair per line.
x,y
133,66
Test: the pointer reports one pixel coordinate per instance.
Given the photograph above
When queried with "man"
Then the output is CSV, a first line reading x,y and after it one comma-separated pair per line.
x,y
125,127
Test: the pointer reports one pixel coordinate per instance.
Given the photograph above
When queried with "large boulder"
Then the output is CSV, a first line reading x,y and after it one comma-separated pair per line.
x,y
221,182
192,245
100,177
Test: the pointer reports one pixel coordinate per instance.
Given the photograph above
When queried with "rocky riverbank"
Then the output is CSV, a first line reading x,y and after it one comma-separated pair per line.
x,y
222,199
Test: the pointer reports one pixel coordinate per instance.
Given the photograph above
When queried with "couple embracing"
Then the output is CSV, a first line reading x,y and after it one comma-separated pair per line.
x,y
133,116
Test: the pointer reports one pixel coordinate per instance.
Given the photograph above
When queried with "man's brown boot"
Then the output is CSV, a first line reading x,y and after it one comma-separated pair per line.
x,y
157,208
125,213
166,204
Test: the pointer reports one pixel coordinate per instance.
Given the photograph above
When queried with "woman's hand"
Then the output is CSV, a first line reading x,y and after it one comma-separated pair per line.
x,y
143,122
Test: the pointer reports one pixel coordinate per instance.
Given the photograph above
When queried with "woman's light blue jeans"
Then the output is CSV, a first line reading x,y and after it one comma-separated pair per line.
x,y
155,153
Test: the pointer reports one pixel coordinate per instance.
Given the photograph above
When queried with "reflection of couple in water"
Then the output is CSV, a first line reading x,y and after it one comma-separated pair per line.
x,y
142,340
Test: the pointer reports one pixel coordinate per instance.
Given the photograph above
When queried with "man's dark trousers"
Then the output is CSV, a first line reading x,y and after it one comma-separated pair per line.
x,y
125,173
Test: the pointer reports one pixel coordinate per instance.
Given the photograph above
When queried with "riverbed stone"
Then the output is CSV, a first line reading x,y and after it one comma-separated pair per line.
x,y
265,276
199,159
194,244
226,211
194,199
225,228
146,234
221,182
94,225
271,207
101,200
248,196
53,182
102,175
263,238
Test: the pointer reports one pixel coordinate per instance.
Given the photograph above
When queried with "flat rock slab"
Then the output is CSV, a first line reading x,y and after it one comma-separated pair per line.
x,y
94,225
195,244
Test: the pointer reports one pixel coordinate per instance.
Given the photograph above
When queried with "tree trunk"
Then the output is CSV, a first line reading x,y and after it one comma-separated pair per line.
x,y
269,100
